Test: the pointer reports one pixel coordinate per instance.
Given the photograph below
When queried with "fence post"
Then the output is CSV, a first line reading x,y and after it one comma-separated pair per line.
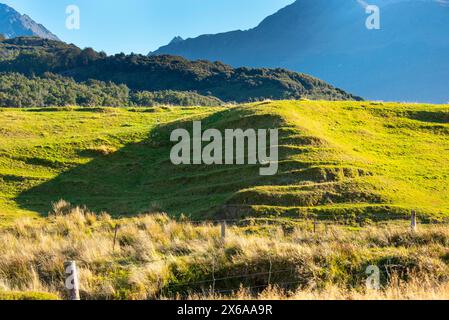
x,y
314,226
72,281
117,226
223,230
213,276
413,224
269,273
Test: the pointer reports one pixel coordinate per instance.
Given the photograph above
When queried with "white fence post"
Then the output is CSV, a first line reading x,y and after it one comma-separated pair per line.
x,y
72,281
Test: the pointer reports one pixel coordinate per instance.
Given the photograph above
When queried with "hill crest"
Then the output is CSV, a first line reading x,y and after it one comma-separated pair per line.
x,y
330,167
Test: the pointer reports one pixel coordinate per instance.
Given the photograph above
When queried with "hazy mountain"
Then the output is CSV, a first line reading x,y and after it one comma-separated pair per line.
x,y
14,24
407,59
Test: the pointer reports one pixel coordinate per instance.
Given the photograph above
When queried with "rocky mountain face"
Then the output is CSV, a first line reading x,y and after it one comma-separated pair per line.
x,y
13,24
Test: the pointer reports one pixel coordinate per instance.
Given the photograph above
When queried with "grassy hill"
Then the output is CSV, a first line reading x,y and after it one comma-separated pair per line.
x,y
345,160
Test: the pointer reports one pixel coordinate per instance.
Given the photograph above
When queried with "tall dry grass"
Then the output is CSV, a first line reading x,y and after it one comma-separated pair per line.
x,y
156,257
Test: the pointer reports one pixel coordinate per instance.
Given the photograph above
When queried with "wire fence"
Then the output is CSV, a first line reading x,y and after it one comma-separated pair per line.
x,y
330,220
270,276
314,227
201,286
289,225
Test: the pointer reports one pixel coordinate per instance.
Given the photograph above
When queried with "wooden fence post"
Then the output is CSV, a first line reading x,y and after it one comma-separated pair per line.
x,y
223,230
72,281
413,224
269,273
117,226
213,276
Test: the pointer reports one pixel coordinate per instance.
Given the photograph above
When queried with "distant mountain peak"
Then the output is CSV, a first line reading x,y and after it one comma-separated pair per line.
x,y
176,39
13,24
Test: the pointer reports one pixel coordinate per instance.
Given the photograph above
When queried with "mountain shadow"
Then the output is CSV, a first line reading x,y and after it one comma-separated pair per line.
x,y
140,177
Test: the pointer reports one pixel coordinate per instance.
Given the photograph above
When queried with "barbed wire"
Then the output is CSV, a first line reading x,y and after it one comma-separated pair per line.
x,y
313,223
258,287
320,220
250,275
269,274
316,231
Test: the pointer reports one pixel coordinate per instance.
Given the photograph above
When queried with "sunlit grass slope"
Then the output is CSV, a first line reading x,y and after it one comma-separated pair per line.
x,y
38,145
372,158
349,160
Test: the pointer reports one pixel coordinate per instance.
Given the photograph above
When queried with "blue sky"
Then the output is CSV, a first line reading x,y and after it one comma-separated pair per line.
x,y
143,25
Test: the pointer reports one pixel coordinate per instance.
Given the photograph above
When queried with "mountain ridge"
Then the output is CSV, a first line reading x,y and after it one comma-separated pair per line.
x,y
403,61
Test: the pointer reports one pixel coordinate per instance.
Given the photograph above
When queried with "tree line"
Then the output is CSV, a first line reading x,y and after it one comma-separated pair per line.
x,y
18,90
35,57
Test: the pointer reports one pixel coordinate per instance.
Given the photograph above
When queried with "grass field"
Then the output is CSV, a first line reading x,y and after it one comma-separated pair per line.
x,y
38,146
345,160
156,257
356,162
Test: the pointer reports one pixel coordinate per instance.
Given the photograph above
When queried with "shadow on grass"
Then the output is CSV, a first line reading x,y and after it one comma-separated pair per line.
x,y
140,178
